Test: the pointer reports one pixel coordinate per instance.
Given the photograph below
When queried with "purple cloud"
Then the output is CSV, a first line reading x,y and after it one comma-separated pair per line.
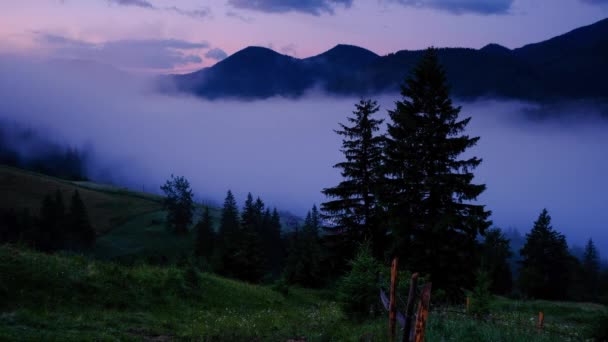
x,y
156,54
314,7
484,7
217,54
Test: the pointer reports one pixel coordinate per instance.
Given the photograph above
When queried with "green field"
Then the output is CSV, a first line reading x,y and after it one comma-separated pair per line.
x,y
71,298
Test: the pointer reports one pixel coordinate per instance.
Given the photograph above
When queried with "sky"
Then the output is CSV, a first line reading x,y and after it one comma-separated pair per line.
x,y
178,36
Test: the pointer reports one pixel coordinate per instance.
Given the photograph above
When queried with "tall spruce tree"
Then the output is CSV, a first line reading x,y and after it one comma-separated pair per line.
x,y
428,189
591,270
249,257
205,236
353,211
228,236
546,262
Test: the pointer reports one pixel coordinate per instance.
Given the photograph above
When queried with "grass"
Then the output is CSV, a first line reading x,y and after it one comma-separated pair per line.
x,y
54,297
72,298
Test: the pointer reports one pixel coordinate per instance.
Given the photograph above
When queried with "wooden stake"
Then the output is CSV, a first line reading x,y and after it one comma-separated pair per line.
x,y
541,320
409,309
392,307
468,307
423,313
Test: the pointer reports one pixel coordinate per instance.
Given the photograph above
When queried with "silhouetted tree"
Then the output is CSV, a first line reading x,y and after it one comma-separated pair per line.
x,y
228,236
353,211
205,236
428,189
304,259
591,270
79,232
495,254
179,203
546,262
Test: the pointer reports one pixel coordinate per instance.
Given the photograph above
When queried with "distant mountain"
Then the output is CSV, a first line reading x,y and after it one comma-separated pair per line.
x,y
571,66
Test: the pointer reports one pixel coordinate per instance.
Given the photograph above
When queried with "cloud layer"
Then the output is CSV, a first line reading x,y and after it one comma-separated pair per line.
x,y
314,7
202,13
484,7
284,149
128,54
216,54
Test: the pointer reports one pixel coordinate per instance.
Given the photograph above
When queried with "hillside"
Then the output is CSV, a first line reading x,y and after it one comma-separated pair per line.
x,y
107,206
570,66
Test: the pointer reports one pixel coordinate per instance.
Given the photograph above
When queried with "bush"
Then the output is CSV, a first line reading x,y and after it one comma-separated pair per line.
x,y
281,286
481,295
358,290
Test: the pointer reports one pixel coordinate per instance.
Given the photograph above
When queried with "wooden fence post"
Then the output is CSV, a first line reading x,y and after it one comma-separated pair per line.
x,y
541,320
409,309
423,313
392,307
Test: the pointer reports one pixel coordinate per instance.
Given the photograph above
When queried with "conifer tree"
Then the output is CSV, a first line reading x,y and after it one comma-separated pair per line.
x,y
80,230
352,211
304,259
591,270
495,254
545,265
428,188
205,236
275,240
228,236
179,203
250,258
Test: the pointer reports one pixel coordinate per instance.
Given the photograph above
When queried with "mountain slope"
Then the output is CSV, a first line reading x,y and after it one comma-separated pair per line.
x,y
571,66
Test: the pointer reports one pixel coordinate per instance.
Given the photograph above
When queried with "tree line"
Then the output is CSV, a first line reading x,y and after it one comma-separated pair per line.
x,y
248,243
56,227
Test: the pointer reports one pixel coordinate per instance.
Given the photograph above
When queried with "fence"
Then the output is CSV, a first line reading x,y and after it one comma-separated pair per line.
x,y
422,296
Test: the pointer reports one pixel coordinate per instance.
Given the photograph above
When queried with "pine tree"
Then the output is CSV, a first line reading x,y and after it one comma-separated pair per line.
x,y
228,236
249,258
591,270
276,252
179,203
545,265
205,236
80,231
495,254
428,190
304,259
353,211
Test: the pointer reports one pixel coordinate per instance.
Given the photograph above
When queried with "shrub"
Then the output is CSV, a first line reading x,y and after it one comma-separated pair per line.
x,y
481,295
281,286
358,290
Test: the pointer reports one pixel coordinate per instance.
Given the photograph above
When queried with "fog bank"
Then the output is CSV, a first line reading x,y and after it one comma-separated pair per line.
x,y
283,150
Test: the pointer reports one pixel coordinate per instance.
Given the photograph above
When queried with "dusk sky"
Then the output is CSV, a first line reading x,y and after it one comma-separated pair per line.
x,y
160,36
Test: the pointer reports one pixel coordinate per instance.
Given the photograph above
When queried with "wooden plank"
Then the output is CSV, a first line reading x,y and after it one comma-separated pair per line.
x,y
409,308
392,307
384,301
423,313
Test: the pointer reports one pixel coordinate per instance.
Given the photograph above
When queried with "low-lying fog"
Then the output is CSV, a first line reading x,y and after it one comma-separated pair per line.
x,y
283,150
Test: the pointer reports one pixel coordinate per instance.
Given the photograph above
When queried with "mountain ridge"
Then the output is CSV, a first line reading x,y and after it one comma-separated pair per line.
x,y
568,66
